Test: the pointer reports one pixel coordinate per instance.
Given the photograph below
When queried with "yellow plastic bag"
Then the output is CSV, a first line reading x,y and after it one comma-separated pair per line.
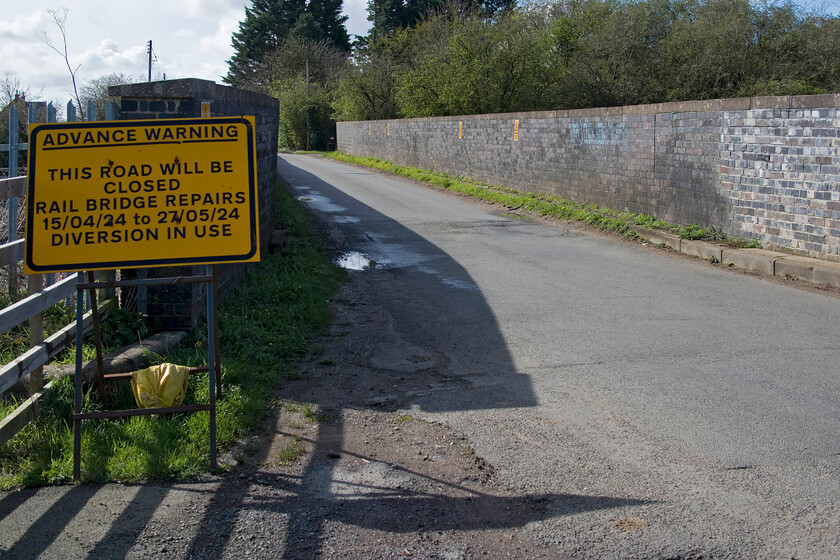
x,y
160,386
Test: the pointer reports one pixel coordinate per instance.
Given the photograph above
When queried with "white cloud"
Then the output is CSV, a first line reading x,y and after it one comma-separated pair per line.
x,y
25,27
211,8
191,39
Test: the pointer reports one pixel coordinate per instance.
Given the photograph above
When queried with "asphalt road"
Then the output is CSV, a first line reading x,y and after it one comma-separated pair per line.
x,y
692,411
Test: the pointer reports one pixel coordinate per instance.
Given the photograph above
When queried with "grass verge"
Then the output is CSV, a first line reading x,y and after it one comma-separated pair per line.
x,y
266,328
599,217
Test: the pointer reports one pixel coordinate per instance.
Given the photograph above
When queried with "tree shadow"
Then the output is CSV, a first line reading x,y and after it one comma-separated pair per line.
x,y
447,354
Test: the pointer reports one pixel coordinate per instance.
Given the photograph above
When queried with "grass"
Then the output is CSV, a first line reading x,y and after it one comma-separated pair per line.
x,y
599,217
291,452
266,326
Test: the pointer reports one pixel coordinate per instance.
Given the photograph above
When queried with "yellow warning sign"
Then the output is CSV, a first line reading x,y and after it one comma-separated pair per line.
x,y
128,194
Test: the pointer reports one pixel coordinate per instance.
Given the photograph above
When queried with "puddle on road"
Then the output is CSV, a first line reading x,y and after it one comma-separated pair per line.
x,y
321,203
356,261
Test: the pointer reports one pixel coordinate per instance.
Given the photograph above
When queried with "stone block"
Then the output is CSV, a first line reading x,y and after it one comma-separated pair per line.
x,y
658,237
701,249
771,102
758,260
810,270
812,101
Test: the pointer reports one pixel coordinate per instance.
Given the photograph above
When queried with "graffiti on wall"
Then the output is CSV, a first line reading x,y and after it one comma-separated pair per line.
x,y
598,134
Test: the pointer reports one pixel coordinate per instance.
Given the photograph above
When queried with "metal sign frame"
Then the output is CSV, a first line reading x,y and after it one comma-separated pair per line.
x,y
213,368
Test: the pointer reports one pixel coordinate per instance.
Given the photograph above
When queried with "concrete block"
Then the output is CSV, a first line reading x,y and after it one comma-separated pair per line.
x,y
758,260
812,101
701,249
771,102
659,237
810,270
735,104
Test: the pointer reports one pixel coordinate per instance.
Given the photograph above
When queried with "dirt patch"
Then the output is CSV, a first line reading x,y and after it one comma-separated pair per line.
x,y
360,479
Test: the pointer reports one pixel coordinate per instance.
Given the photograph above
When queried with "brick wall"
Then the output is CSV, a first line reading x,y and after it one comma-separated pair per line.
x,y
764,168
180,307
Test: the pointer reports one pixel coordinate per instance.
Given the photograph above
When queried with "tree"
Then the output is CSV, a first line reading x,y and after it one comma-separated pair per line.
x,y
389,16
97,89
12,89
302,75
267,25
367,89
59,18
327,15
475,66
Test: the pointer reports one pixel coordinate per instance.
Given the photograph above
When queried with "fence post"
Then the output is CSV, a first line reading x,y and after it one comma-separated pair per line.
x,y
35,283
36,334
71,112
112,113
12,205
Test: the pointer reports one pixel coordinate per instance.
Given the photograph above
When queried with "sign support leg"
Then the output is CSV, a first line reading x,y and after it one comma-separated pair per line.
x,y
77,401
97,337
212,341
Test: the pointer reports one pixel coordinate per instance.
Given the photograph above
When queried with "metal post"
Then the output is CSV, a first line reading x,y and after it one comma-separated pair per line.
x,y
71,112
211,358
12,206
308,124
112,111
77,401
97,337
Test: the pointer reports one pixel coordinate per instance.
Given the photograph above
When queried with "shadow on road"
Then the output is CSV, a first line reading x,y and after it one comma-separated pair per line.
x,y
434,344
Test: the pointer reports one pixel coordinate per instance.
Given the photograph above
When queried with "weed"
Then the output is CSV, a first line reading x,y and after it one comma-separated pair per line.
x,y
290,406
404,419
312,413
713,259
291,452
123,327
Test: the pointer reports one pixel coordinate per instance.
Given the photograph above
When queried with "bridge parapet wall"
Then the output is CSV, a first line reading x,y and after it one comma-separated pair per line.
x,y
764,168
181,307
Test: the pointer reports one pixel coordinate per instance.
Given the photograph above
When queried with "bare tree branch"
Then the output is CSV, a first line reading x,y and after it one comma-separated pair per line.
x,y
59,17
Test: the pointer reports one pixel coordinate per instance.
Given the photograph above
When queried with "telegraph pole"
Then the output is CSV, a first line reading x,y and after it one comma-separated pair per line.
x,y
149,49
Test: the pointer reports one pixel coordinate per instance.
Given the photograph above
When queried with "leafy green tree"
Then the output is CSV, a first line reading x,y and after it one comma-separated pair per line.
x,y
303,74
389,16
820,53
328,17
476,66
366,90
266,25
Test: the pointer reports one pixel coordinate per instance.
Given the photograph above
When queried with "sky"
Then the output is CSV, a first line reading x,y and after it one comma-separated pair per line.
x,y
190,39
